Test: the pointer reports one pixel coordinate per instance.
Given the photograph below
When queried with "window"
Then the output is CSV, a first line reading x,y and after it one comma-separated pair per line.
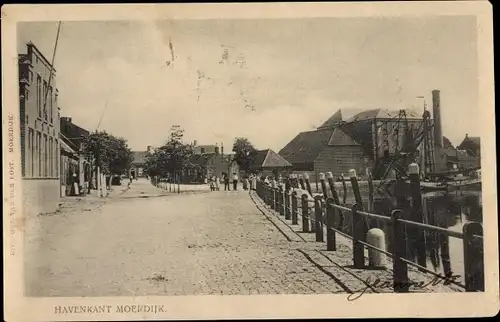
x,y
39,153
44,100
45,156
56,159
51,159
50,105
29,143
39,95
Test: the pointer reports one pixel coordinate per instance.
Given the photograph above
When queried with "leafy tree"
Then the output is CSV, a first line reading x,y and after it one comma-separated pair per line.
x,y
171,158
112,154
244,153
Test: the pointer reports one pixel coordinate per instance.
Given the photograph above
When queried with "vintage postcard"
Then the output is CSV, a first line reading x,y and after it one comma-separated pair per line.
x,y
281,160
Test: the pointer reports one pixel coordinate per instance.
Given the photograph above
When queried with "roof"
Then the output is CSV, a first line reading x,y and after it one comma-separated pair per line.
x,y
382,113
139,156
339,137
269,159
306,146
333,120
202,159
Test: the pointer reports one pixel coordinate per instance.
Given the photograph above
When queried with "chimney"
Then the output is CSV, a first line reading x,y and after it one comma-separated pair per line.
x,y
149,148
436,111
195,142
222,148
216,149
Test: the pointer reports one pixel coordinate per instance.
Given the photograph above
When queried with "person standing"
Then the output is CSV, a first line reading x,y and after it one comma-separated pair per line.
x,y
217,183
235,181
226,183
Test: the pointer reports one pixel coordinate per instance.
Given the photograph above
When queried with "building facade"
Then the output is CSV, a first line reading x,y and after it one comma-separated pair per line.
x,y
72,138
40,128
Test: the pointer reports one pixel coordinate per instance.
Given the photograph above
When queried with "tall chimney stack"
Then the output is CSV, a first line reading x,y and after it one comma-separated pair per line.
x,y
436,111
222,148
216,148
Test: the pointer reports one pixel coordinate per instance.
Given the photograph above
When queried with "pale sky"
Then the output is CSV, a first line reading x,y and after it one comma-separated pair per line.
x,y
296,73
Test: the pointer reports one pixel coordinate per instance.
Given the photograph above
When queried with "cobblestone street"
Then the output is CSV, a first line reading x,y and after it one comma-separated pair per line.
x,y
144,241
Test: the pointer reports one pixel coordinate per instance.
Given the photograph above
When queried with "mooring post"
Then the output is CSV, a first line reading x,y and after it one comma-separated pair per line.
x,y
308,184
318,217
416,196
357,235
473,257
294,208
322,180
399,267
305,213
330,222
376,238
301,181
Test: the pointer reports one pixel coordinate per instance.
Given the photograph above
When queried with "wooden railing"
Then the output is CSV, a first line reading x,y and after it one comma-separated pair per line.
x,y
321,213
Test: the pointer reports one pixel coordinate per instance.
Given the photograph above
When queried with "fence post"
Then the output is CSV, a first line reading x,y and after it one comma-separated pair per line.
x,y
323,185
294,208
399,267
357,235
473,257
308,184
301,181
344,189
318,218
370,193
288,214
330,222
282,200
305,213
355,188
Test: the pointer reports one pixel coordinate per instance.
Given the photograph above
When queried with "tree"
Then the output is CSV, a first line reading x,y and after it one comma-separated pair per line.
x,y
171,158
112,154
244,153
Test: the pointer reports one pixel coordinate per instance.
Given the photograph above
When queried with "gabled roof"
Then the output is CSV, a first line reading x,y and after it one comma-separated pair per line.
x,y
306,146
382,113
333,120
339,137
139,156
269,159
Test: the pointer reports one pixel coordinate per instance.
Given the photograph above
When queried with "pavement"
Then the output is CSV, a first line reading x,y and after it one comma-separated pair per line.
x,y
148,241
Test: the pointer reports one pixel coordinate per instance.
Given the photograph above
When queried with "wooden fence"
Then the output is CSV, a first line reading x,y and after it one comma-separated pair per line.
x,y
320,212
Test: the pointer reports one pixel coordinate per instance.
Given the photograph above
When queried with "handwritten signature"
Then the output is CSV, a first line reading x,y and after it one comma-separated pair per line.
x,y
378,283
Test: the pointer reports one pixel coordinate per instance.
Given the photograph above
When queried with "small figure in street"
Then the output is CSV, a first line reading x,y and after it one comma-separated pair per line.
x,y
226,183
217,183
245,183
235,181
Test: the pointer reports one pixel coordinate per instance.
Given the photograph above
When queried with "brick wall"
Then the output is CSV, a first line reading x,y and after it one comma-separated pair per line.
x,y
339,160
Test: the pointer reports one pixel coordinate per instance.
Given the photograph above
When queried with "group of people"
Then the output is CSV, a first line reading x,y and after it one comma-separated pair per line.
x,y
215,182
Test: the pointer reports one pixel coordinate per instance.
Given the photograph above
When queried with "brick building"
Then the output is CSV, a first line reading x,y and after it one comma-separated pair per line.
x,y
39,127
208,164
359,143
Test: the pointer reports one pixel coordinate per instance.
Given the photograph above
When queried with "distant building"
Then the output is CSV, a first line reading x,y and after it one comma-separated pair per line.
x,y
364,143
209,164
269,163
39,127
472,145
137,168
201,149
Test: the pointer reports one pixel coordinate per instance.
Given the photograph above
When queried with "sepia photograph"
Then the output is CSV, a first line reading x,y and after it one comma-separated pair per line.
x,y
171,157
